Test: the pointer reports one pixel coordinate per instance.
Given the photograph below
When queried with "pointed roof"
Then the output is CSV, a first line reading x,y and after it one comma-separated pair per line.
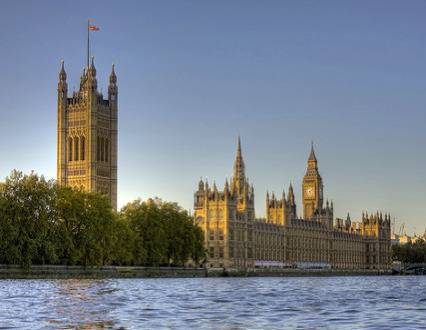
x,y
290,195
112,76
312,157
62,73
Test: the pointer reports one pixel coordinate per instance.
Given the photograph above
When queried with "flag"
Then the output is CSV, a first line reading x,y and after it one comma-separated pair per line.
x,y
93,28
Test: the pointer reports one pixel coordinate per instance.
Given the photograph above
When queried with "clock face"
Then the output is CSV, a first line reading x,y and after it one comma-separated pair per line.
x,y
309,192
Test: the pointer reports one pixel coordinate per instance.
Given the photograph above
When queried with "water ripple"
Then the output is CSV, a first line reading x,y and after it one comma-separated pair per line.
x,y
215,303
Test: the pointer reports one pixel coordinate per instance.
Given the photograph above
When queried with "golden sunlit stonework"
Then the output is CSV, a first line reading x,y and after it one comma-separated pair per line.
x,y
235,238
87,134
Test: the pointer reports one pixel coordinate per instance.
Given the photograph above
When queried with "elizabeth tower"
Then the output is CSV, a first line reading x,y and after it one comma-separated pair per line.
x,y
87,134
312,189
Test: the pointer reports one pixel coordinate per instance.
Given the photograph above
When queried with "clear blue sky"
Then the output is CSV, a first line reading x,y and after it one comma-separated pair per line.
x,y
350,75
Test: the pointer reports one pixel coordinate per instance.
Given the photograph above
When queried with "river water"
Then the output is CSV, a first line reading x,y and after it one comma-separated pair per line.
x,y
216,303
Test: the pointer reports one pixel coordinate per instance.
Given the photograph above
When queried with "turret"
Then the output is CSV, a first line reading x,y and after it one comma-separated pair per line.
x,y
62,129
201,185
348,222
215,191
62,83
200,195
226,189
291,205
290,197
92,83
112,87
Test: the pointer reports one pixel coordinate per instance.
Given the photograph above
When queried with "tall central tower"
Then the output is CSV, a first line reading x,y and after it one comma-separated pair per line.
x,y
312,188
87,135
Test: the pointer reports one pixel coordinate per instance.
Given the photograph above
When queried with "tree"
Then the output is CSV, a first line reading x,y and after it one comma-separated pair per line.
x,y
164,233
86,226
27,218
43,223
410,252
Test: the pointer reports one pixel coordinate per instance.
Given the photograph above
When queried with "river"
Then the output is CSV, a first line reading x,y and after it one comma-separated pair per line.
x,y
353,302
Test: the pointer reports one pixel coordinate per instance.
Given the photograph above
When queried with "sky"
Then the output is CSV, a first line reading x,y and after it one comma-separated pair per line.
x,y
193,75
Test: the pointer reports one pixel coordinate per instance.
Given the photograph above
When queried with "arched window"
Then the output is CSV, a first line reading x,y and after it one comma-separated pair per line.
x,y
102,149
76,148
70,149
106,150
83,148
98,149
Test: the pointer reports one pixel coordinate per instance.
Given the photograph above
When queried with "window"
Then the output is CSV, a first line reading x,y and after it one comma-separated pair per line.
x,y
211,234
106,150
82,148
221,252
211,251
76,148
231,234
221,234
98,149
102,150
69,149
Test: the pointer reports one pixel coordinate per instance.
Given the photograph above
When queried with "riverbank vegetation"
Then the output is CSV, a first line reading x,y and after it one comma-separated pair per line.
x,y
410,252
43,223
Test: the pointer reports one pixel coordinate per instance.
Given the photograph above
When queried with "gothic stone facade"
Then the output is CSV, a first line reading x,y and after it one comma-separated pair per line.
x,y
234,238
87,135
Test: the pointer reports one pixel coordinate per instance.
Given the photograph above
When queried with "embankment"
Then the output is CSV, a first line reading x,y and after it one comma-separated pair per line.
x,y
64,272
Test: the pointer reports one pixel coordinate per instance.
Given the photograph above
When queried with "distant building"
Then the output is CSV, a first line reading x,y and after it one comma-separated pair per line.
x,y
404,239
234,238
87,134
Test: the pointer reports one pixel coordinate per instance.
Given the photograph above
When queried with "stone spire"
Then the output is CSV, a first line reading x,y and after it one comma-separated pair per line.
x,y
112,76
239,179
290,195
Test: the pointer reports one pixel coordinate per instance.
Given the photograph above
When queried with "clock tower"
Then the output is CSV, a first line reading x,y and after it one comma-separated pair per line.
x,y
312,188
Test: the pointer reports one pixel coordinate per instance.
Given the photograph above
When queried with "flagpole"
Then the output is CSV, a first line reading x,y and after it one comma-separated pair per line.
x,y
88,42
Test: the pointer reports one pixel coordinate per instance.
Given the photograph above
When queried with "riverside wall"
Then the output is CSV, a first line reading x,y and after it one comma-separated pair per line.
x,y
78,272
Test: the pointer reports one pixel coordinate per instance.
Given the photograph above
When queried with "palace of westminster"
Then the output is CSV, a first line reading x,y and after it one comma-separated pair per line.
x,y
234,237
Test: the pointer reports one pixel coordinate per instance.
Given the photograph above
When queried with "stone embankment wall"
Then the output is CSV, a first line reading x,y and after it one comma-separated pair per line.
x,y
64,272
